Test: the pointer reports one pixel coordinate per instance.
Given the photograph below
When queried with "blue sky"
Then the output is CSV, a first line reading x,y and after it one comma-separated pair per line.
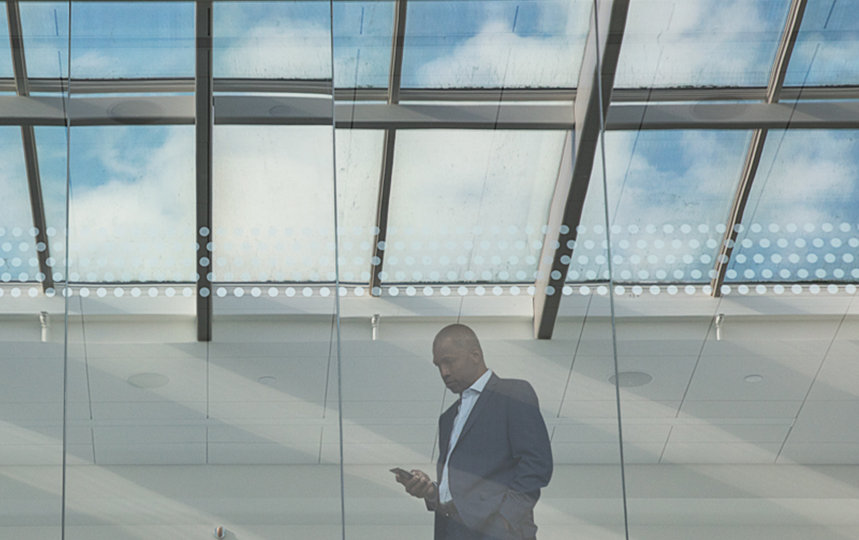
x,y
827,45
664,187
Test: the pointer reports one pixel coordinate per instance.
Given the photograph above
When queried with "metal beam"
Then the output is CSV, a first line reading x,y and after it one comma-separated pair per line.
x,y
292,110
384,198
594,88
31,157
756,148
323,87
204,122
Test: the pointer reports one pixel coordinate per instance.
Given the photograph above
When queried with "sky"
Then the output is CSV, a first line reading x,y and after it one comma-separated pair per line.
x,y
466,206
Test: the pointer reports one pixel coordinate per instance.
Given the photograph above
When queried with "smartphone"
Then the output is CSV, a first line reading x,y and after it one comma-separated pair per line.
x,y
402,473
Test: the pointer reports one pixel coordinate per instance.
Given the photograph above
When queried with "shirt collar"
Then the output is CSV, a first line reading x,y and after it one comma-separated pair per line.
x,y
480,383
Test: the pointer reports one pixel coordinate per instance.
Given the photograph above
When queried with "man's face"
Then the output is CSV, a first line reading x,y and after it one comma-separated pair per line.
x,y
458,367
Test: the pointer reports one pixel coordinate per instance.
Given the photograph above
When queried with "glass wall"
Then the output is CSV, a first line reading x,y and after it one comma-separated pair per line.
x,y
734,276
232,232
35,441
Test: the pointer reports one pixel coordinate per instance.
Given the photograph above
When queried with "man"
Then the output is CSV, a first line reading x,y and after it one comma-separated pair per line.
x,y
494,451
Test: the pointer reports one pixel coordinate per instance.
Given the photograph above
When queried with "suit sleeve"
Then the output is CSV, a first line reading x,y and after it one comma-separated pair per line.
x,y
531,452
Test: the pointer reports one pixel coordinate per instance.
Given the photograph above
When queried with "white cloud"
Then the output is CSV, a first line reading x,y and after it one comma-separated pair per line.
x,y
470,196
139,223
278,48
810,179
95,63
496,57
680,43
273,206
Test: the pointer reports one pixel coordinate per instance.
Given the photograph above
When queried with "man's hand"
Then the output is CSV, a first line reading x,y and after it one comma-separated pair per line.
x,y
419,485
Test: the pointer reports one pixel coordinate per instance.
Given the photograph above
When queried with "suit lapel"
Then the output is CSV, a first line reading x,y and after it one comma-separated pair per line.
x,y
481,404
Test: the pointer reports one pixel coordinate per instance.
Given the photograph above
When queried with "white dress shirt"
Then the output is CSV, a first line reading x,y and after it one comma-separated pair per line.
x,y
467,400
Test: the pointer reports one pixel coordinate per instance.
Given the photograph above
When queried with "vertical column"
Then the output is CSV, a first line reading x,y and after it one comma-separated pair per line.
x,y
204,116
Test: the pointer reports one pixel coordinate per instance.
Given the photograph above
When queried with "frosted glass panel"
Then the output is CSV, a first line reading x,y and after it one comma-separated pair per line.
x,y
669,194
469,205
274,203
802,218
17,243
132,206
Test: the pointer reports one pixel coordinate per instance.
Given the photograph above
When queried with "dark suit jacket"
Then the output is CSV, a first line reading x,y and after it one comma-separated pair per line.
x,y
501,460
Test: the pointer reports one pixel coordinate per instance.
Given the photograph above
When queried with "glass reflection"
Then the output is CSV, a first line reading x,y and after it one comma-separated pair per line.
x,y
469,205
187,436
5,49
699,43
669,194
826,46
801,220
281,40
17,243
34,442
132,39
46,33
273,194
132,204
494,44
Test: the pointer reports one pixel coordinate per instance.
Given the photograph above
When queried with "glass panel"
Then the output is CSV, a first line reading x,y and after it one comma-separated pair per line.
x,y
31,366
494,44
669,193
188,436
18,261
825,51
32,349
5,50
132,39
548,405
272,192
273,40
46,38
362,43
700,43
289,40
469,205
132,204
802,219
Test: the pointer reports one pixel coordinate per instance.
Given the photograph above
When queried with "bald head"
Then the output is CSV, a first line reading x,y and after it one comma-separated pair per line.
x,y
457,354
460,336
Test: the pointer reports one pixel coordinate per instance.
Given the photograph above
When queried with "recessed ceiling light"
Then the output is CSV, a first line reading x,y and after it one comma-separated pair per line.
x,y
267,380
148,380
138,109
279,111
754,378
628,379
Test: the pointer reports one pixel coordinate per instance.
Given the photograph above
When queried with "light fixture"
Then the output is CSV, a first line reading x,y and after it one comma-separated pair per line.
x,y
629,379
720,319
754,378
44,321
374,326
220,532
268,380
